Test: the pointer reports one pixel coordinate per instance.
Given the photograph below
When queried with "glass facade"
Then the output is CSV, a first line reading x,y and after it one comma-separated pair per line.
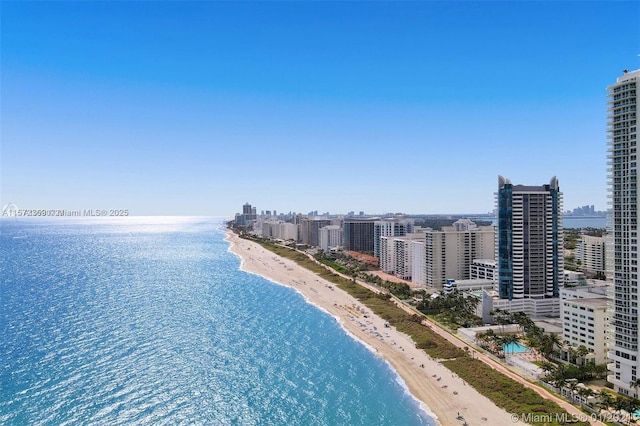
x,y
505,235
529,240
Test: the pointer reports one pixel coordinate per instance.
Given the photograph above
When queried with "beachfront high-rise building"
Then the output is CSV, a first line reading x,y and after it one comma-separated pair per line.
x,y
309,232
623,244
330,237
418,262
357,234
247,218
529,243
280,230
396,254
394,227
449,253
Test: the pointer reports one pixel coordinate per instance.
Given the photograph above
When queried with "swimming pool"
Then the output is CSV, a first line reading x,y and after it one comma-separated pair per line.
x,y
515,348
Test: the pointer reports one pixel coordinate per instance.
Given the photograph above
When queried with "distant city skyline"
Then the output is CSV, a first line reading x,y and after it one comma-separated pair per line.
x,y
193,108
270,212
580,211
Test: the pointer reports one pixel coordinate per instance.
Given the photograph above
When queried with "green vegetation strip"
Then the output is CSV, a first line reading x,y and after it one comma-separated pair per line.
x,y
334,265
506,392
503,391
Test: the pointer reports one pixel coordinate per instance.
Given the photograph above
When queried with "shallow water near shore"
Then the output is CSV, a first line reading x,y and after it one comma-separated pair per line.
x,y
149,321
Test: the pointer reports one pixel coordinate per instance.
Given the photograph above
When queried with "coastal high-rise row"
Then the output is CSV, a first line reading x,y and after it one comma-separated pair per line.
x,y
309,232
248,216
529,240
623,244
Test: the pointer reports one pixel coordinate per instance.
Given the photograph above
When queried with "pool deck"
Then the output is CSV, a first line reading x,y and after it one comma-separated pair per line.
x,y
529,356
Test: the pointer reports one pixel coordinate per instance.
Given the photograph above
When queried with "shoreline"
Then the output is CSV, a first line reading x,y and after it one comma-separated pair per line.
x,y
439,392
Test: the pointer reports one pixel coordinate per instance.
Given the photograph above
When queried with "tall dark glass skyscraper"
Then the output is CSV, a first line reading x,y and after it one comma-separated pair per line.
x,y
357,234
529,240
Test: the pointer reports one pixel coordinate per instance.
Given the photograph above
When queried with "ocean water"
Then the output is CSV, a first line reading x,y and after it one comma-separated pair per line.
x,y
149,321
568,222
584,222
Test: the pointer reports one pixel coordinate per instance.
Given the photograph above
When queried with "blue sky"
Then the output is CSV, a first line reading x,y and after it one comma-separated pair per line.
x,y
195,108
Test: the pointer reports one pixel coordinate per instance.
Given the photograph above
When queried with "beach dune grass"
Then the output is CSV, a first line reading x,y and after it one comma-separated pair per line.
x,y
506,393
503,391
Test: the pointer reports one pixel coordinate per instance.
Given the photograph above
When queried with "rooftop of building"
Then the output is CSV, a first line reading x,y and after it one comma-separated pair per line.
x,y
485,261
549,325
348,220
594,303
473,281
628,75
588,291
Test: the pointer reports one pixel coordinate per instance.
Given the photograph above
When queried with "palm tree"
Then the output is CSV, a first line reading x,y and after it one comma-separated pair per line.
x,y
559,376
508,340
529,326
600,370
631,405
573,387
635,384
498,343
549,343
548,367
483,338
589,370
619,404
581,352
606,400
519,318
470,304
534,343
586,392
501,317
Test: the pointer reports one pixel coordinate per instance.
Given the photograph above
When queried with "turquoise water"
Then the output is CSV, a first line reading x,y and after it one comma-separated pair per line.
x,y
515,348
149,321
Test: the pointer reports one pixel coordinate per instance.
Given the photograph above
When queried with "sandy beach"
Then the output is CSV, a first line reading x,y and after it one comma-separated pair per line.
x,y
445,394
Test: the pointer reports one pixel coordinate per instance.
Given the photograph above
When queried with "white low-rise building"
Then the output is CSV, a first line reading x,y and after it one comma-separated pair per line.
x,y
585,317
533,308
